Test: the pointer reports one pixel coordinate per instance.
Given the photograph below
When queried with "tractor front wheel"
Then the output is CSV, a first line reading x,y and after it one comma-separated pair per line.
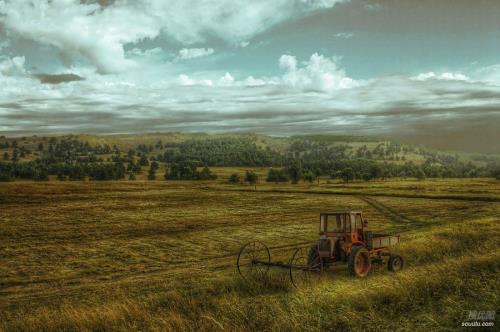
x,y
395,263
359,263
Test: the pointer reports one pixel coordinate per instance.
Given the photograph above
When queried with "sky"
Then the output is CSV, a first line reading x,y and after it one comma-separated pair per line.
x,y
425,71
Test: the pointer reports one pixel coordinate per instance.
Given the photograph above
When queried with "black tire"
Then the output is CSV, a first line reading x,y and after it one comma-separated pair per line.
x,y
359,262
396,263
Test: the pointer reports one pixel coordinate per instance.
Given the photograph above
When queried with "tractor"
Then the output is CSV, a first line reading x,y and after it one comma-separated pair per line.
x,y
343,237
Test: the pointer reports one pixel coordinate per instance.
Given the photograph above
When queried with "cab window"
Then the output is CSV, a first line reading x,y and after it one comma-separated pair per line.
x,y
359,222
338,223
347,223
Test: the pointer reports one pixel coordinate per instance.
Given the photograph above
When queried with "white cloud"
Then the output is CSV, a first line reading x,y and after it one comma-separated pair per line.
x,y
244,43
191,53
12,66
344,35
185,80
83,30
153,52
227,79
251,81
446,76
318,73
489,74
373,6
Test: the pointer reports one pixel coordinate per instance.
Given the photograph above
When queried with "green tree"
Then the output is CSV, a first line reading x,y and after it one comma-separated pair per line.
x,y
251,178
234,178
144,161
41,175
295,172
277,175
155,165
5,156
309,176
15,155
420,174
347,174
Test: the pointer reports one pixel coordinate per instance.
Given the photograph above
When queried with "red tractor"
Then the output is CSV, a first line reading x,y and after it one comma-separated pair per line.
x,y
343,237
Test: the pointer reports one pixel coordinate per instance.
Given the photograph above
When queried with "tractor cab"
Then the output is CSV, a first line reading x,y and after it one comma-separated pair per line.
x,y
339,231
346,225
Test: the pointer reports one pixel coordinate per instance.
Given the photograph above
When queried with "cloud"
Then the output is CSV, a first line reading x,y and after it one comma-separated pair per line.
x,y
12,66
373,7
244,43
185,80
489,74
59,78
443,76
98,32
227,79
191,53
318,73
344,35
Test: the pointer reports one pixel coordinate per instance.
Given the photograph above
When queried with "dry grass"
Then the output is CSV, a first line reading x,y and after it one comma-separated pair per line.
x,y
160,256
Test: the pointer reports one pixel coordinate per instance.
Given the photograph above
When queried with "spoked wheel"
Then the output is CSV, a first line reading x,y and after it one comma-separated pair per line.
x,y
395,263
359,263
249,257
305,265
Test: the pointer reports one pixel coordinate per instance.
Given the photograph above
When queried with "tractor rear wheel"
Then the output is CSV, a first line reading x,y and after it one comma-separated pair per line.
x,y
359,263
395,263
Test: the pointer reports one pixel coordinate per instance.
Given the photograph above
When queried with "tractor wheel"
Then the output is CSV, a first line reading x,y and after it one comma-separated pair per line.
x,y
359,263
249,257
395,263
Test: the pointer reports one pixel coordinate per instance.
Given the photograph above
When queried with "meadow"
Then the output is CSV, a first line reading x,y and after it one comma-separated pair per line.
x,y
160,255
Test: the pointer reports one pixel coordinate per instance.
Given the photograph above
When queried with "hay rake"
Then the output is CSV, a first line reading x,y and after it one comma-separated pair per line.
x,y
254,261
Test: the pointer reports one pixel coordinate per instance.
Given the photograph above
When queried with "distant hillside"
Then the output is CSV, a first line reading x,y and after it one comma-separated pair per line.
x,y
114,156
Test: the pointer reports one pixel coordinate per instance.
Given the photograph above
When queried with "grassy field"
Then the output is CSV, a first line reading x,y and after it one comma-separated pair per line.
x,y
160,255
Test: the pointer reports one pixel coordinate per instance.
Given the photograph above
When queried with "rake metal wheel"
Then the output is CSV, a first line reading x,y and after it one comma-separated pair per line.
x,y
249,257
304,266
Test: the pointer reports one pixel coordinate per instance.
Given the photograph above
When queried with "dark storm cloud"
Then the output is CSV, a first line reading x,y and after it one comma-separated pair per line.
x,y
58,78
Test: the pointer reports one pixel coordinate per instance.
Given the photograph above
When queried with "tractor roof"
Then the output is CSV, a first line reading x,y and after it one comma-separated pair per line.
x,y
340,212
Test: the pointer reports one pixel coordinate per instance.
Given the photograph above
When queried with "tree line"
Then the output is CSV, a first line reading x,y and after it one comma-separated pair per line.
x,y
301,160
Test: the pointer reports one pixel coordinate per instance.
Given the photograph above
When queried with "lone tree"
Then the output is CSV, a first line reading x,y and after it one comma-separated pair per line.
x,y
234,178
251,178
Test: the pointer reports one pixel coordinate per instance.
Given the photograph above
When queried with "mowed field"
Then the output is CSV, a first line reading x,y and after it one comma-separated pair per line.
x,y
160,255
